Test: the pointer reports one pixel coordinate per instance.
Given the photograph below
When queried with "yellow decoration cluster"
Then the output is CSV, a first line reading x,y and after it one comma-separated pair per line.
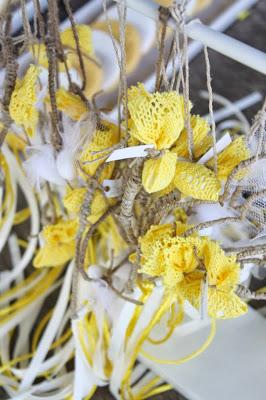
x,y
158,119
184,263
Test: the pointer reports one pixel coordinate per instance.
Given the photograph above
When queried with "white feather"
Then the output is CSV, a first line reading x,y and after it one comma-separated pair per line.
x,y
74,136
41,166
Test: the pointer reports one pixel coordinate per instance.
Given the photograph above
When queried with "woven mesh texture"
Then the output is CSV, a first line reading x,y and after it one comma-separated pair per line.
x,y
196,181
22,105
157,118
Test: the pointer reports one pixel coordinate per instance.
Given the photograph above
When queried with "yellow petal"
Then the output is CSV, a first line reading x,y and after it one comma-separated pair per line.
x,y
22,104
230,157
225,304
200,129
54,255
70,104
62,232
157,118
103,139
196,181
73,199
158,173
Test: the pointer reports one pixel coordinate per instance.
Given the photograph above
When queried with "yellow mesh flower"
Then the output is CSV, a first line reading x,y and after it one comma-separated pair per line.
x,y
70,104
230,157
22,105
200,128
223,276
132,42
196,181
157,118
59,246
103,139
159,172
163,254
74,199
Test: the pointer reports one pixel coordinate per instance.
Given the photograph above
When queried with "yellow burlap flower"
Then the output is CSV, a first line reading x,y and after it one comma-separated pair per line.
x,y
70,104
74,199
230,157
23,100
196,181
156,119
59,244
223,276
107,137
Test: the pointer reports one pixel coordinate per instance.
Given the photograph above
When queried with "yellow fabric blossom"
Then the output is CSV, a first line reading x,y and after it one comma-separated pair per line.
x,y
74,199
196,181
70,104
23,100
156,118
230,157
163,254
103,139
59,244
159,172
223,276
202,142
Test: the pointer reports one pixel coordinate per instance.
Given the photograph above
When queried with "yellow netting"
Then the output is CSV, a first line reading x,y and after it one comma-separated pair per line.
x,y
200,129
103,139
74,199
230,157
22,105
157,118
196,181
223,274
